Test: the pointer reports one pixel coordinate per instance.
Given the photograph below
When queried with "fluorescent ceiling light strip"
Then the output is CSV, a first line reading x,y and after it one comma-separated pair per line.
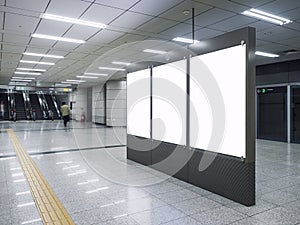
x,y
43,55
96,74
185,40
29,69
37,62
154,51
56,38
252,14
17,83
62,85
284,20
76,81
121,63
111,68
88,77
73,20
26,78
27,73
266,54
68,82
21,80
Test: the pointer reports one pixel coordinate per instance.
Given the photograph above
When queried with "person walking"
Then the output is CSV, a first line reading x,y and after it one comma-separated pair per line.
x,y
2,110
65,113
50,113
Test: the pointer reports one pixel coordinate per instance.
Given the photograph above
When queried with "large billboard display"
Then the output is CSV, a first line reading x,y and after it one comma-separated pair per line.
x,y
138,103
169,102
222,75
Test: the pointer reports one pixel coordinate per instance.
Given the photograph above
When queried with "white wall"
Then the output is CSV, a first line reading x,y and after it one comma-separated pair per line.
x,y
98,113
80,105
116,103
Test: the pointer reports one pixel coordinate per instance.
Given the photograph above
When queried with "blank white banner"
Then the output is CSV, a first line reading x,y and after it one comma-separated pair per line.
x,y
223,72
138,103
169,102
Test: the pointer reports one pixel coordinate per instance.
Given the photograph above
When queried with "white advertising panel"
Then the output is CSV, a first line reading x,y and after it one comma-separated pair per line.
x,y
223,72
138,103
169,102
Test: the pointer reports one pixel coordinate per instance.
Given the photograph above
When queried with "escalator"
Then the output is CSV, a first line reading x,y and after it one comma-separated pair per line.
x,y
4,99
51,106
35,105
20,107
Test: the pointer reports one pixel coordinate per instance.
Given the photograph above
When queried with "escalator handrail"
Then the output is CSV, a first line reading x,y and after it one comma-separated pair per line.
x,y
42,104
55,105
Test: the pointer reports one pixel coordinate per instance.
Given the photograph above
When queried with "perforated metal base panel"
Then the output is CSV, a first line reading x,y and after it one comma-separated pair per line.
x,y
170,159
139,149
226,176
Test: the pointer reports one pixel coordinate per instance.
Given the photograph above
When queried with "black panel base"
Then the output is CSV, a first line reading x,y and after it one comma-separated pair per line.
x,y
171,159
226,176
139,150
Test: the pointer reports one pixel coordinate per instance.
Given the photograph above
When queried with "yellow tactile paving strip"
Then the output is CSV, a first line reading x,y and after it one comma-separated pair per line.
x,y
50,208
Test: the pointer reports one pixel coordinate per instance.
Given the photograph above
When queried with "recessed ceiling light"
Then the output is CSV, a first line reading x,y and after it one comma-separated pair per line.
x,y
43,55
96,74
72,20
266,16
185,40
186,12
37,62
121,63
29,69
56,38
111,68
27,73
266,54
154,51
89,77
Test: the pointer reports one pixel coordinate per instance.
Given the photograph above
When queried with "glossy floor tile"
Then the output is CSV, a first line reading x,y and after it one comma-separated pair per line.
x,y
86,167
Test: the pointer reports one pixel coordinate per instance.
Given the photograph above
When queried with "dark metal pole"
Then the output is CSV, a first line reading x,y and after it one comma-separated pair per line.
x,y
193,24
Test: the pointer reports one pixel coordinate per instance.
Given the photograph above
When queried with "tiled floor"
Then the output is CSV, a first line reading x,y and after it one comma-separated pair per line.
x,y
87,169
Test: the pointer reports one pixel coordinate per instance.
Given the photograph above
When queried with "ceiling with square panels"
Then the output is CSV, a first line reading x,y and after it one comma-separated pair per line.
x,y
130,27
